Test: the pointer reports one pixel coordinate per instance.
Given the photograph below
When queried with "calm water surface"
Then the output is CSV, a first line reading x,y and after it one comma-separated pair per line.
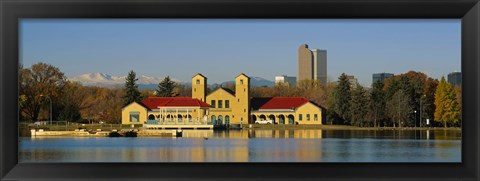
x,y
252,146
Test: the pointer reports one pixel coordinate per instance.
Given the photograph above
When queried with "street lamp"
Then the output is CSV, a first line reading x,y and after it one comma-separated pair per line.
x,y
415,117
41,95
421,109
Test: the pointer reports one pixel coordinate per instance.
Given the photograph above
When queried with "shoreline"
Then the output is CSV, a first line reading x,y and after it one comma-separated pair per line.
x,y
339,127
173,132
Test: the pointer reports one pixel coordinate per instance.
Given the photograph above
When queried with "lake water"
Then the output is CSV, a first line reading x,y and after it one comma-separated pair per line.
x,y
252,146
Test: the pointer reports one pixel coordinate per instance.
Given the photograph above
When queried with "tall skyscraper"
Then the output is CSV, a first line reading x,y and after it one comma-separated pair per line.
x,y
320,65
381,77
312,65
455,78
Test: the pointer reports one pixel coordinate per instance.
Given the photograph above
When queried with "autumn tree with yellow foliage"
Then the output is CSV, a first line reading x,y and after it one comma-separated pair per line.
x,y
447,109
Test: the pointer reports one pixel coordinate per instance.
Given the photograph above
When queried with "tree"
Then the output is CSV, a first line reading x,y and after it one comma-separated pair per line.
x,y
377,103
341,96
70,102
399,107
166,88
428,101
131,89
40,84
447,108
359,106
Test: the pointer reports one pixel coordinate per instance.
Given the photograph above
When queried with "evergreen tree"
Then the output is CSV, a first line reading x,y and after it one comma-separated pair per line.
x,y
359,106
166,87
377,103
341,96
131,89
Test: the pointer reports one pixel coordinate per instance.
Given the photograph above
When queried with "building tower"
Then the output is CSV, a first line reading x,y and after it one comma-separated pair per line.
x,y
305,63
455,78
320,65
241,106
381,77
199,87
312,65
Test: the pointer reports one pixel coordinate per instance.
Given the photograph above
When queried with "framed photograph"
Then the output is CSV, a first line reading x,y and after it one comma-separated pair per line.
x,y
227,90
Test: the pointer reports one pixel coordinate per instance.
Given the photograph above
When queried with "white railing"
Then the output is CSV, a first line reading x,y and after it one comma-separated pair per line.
x,y
183,122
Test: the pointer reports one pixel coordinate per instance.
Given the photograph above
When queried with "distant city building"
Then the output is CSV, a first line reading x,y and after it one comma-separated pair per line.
x,y
312,65
353,81
283,79
380,77
455,78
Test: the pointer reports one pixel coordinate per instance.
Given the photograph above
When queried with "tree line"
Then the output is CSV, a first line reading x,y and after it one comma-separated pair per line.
x,y
43,84
404,100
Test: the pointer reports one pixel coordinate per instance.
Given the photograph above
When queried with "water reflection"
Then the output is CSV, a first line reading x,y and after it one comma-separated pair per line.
x,y
317,134
252,146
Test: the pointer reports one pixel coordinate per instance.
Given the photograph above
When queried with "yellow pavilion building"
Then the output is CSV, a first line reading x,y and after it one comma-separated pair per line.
x,y
222,106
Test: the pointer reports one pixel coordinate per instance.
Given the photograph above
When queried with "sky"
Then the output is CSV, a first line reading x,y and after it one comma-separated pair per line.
x,y
222,49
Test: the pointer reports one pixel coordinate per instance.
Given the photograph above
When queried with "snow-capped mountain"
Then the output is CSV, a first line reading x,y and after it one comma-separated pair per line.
x,y
102,79
256,81
144,82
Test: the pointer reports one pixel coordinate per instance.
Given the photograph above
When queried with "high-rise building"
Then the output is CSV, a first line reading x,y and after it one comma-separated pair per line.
x,y
312,65
353,81
320,65
455,78
283,79
381,77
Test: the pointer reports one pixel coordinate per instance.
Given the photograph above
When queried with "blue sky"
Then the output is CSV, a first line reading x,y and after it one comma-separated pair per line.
x,y
221,49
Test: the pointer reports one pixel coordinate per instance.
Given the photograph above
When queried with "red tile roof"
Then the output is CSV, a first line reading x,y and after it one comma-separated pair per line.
x,y
155,102
277,102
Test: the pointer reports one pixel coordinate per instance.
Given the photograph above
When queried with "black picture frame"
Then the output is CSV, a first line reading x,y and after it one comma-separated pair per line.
x,y
13,10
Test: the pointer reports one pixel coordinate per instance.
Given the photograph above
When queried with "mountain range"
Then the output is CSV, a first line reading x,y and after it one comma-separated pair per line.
x,y
146,82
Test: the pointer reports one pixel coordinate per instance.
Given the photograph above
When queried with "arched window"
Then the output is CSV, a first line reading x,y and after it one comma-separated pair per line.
x,y
151,117
214,120
220,121
227,120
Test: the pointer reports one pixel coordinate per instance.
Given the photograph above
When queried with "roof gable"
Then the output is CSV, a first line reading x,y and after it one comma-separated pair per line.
x,y
278,102
243,75
135,102
232,93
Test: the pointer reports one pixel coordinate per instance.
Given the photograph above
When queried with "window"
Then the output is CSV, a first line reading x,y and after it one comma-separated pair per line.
x,y
198,81
315,117
212,103
244,89
308,117
134,116
241,81
220,103
227,103
239,100
194,89
227,120
244,110
300,117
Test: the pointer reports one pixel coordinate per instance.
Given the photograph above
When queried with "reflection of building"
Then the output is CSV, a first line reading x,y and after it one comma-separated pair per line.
x,y
380,77
455,78
283,79
224,107
312,65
